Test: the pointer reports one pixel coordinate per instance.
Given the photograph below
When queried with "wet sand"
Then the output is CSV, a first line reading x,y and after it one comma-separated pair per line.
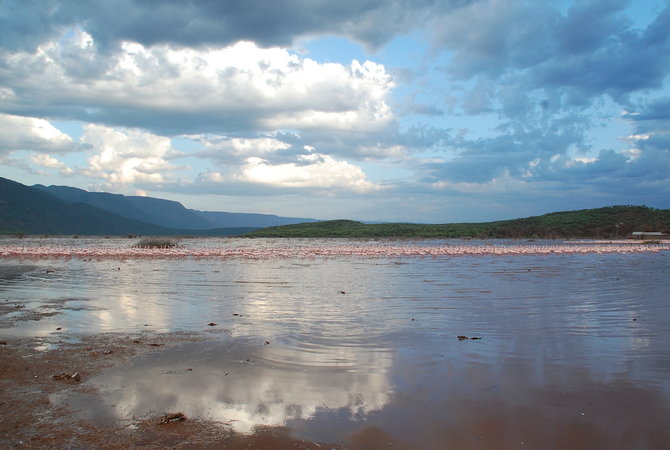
x,y
13,271
29,418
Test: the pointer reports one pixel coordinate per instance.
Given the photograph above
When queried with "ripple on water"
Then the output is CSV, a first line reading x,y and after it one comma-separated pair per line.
x,y
328,343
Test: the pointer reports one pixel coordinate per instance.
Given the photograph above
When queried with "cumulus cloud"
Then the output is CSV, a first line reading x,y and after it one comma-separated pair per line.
x,y
49,162
242,146
125,157
233,151
128,156
29,133
184,90
312,170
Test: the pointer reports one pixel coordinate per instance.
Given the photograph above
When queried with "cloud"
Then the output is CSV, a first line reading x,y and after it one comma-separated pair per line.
x,y
600,53
233,150
33,134
124,157
312,170
517,99
652,117
631,176
181,90
49,162
26,23
500,184
517,47
410,105
480,159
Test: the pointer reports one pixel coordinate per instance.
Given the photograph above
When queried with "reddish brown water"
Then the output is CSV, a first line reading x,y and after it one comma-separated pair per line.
x,y
573,350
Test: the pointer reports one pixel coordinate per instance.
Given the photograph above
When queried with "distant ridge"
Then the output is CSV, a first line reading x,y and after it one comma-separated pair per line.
x,y
34,210
607,222
166,213
28,210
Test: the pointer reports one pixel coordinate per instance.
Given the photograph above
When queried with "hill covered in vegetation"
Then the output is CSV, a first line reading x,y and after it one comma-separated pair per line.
x,y
166,213
24,210
608,222
28,210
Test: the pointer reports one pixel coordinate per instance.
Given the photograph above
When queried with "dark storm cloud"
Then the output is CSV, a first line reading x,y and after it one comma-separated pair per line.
x,y
26,23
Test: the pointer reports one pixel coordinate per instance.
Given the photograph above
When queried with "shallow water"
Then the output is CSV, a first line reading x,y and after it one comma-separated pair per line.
x,y
573,348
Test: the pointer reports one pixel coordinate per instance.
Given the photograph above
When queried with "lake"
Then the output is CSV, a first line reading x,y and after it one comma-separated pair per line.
x,y
496,349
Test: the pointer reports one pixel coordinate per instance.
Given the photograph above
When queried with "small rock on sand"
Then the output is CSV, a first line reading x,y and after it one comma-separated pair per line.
x,y
66,376
173,417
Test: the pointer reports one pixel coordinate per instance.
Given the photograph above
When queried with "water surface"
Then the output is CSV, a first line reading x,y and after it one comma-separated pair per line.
x,y
573,347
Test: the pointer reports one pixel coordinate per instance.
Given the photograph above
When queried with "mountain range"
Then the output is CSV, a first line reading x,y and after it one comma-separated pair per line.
x,y
63,210
42,209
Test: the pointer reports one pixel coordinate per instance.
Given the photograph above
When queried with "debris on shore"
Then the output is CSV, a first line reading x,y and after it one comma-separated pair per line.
x,y
173,417
66,376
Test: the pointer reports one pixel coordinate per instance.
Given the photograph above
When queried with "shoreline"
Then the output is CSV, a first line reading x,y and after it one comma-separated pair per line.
x,y
343,249
34,413
33,382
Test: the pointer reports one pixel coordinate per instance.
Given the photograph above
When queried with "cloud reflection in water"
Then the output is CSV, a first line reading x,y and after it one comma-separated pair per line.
x,y
246,384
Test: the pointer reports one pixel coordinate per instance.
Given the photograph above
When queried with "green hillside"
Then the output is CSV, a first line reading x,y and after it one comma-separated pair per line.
x,y
608,222
30,211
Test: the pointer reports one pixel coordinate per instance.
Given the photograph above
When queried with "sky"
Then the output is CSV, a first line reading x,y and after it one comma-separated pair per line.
x,y
427,111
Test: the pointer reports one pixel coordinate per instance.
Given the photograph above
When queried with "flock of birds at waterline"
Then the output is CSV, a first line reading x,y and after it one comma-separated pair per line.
x,y
373,249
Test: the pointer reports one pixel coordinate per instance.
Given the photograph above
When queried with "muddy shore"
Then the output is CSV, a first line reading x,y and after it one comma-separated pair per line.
x,y
33,372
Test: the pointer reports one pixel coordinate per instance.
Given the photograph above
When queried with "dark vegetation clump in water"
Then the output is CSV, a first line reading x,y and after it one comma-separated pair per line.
x,y
157,242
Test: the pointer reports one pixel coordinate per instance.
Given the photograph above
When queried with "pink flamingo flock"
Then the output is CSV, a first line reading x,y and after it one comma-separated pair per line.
x,y
368,250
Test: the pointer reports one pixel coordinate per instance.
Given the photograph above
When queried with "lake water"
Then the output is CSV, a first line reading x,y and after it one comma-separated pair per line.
x,y
574,348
